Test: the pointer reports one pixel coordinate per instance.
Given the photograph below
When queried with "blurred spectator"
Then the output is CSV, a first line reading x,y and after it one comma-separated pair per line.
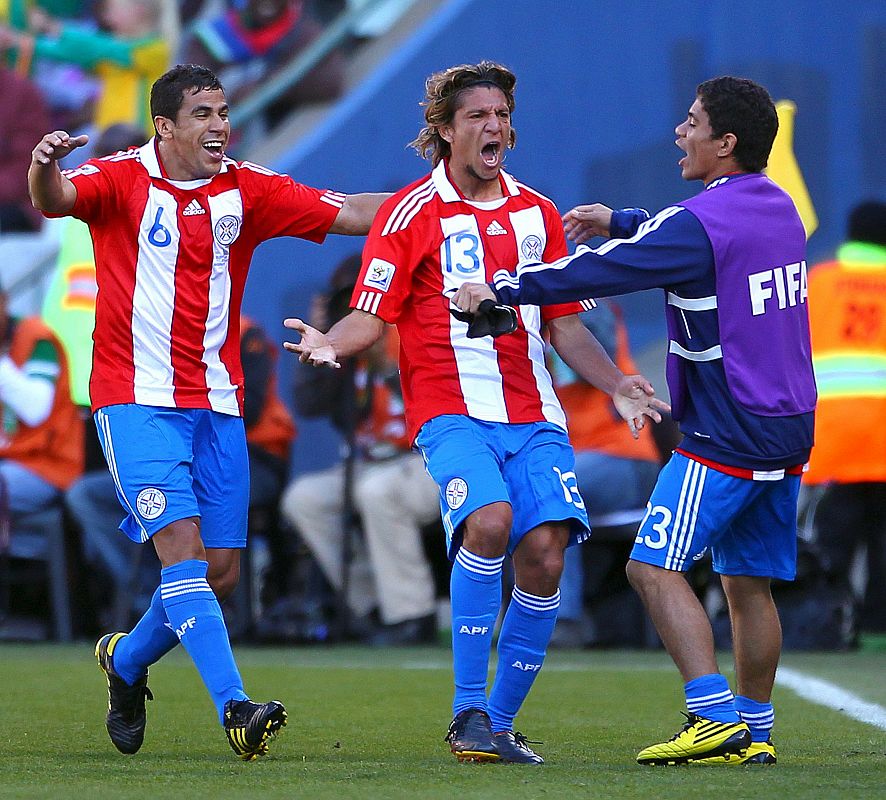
x,y
69,90
393,497
41,434
248,40
188,10
615,474
23,115
847,315
270,431
132,48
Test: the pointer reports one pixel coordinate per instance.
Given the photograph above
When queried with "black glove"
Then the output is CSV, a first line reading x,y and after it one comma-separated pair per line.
x,y
492,319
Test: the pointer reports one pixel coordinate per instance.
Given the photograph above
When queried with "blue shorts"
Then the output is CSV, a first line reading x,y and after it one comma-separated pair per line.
x,y
749,525
475,463
173,463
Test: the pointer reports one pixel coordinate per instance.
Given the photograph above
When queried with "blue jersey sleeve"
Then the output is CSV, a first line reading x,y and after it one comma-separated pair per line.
x,y
667,250
625,221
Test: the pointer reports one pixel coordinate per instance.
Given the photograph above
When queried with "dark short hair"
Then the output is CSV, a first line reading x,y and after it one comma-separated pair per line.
x,y
168,91
744,108
867,223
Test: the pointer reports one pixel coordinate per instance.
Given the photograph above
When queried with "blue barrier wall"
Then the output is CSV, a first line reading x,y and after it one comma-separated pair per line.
x,y
600,88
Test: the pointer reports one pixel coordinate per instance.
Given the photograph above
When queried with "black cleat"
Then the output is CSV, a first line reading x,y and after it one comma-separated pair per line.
x,y
513,748
126,718
470,736
250,726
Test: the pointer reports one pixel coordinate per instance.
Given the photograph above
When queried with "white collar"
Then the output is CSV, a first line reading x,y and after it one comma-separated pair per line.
x,y
449,194
147,155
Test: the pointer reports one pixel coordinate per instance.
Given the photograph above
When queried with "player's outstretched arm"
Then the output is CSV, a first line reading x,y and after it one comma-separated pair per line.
x,y
633,395
584,222
357,331
49,189
357,213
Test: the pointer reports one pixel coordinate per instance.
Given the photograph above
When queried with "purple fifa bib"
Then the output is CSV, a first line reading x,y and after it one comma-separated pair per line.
x,y
759,247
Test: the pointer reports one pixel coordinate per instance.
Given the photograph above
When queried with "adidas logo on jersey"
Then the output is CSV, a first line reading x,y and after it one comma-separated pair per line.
x,y
192,209
495,229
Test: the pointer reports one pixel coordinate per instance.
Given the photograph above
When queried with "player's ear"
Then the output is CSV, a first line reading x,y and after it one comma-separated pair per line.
x,y
445,132
727,146
164,126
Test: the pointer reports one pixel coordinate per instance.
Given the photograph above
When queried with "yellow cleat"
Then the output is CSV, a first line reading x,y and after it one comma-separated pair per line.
x,y
699,738
758,753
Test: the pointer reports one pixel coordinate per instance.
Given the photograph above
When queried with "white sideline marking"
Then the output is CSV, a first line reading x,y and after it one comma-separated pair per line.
x,y
831,696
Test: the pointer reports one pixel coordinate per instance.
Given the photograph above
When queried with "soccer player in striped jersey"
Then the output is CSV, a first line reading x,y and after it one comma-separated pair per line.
x,y
732,263
482,411
174,225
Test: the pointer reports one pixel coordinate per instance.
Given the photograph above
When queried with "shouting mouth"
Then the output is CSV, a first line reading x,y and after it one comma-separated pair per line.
x,y
491,153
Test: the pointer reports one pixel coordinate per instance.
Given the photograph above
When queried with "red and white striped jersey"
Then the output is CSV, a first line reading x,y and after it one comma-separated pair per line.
x,y
171,263
425,242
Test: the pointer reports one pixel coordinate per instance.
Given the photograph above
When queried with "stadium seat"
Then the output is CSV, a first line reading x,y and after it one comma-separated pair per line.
x,y
40,537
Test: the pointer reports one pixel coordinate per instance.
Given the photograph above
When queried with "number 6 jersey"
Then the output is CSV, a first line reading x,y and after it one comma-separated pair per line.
x,y
171,262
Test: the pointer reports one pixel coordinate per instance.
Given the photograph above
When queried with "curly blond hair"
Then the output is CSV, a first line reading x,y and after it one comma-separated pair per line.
x,y
443,91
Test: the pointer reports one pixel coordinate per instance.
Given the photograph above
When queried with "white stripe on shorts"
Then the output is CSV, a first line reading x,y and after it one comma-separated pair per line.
x,y
105,426
685,515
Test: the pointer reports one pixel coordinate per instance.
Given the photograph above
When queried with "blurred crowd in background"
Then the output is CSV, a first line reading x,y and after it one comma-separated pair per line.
x,y
85,65
333,554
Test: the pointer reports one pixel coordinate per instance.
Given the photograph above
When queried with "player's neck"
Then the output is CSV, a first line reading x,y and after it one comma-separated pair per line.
x,y
472,187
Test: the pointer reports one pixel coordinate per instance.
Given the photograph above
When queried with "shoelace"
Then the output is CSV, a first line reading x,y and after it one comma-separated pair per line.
x,y
135,690
691,719
523,741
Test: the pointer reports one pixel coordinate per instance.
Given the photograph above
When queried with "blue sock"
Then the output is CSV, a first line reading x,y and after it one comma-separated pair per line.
x,y
475,593
710,697
150,640
759,717
196,617
522,643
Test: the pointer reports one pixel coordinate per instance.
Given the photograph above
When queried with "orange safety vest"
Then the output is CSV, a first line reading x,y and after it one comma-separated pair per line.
x,y
275,429
847,319
55,449
593,422
382,430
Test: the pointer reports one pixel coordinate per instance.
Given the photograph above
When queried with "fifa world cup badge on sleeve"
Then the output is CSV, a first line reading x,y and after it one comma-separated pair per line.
x,y
379,274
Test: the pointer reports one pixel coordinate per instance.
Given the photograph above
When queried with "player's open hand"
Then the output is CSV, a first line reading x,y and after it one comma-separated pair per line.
x,y
470,295
634,398
585,222
57,145
314,347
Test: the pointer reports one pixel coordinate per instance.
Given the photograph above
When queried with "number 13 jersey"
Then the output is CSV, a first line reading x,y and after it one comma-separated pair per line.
x,y
425,242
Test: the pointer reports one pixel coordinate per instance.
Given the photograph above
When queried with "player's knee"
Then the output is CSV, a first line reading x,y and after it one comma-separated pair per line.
x,y
745,592
486,531
641,575
538,565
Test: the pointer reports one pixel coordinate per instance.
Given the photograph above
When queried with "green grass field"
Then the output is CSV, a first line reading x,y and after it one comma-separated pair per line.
x,y
368,724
